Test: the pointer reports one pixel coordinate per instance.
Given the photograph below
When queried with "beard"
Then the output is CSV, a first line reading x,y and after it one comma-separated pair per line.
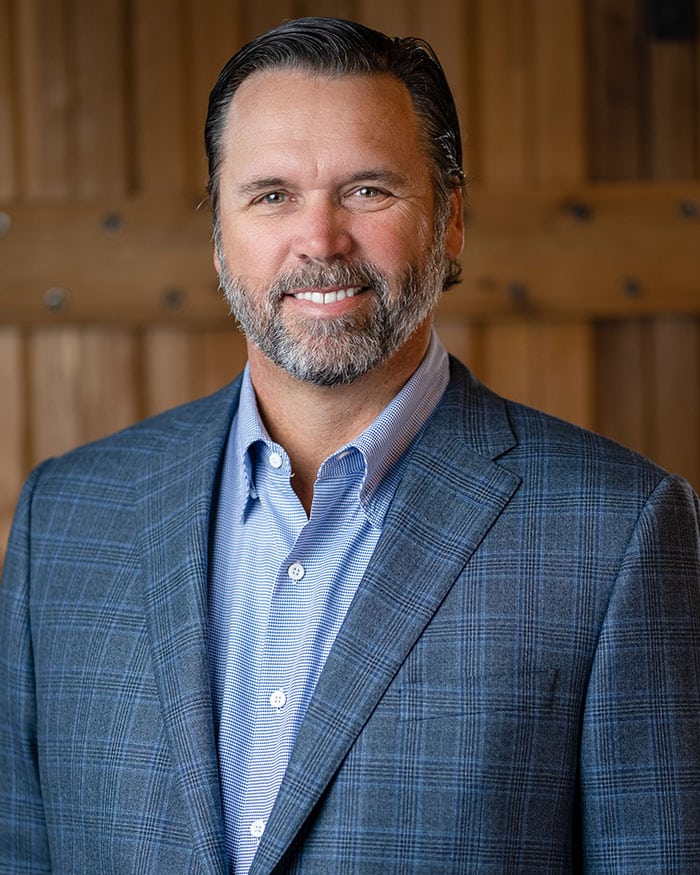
x,y
333,351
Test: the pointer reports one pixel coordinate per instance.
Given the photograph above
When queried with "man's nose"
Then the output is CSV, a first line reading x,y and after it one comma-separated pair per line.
x,y
323,231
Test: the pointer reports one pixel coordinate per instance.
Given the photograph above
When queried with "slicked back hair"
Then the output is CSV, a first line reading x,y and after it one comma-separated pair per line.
x,y
335,47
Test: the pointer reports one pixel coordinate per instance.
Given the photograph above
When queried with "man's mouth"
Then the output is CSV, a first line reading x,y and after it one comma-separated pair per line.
x,y
330,297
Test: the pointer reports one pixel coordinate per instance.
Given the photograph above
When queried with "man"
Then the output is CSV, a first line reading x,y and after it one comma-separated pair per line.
x,y
354,613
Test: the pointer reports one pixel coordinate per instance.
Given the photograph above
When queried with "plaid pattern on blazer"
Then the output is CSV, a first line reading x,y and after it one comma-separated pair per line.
x,y
516,688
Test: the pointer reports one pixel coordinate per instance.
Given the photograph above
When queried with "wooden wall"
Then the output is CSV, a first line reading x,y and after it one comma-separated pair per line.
x,y
581,292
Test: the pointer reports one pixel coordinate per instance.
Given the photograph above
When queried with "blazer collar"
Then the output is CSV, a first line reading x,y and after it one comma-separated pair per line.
x,y
175,497
449,497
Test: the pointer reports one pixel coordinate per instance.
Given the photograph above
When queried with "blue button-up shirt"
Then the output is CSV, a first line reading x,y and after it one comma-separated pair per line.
x,y
281,584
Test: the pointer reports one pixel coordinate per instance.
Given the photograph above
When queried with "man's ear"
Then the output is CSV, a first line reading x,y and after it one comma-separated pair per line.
x,y
454,237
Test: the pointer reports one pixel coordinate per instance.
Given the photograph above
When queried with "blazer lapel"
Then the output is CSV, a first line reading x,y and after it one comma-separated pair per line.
x,y
175,502
448,499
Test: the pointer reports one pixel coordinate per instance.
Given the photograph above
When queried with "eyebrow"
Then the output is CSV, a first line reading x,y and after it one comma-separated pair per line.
x,y
267,183
263,183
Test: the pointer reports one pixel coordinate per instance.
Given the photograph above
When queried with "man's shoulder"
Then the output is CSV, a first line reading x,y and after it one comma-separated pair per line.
x,y
551,450
542,434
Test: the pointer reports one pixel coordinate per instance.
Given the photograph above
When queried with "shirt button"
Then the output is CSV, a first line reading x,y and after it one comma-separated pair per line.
x,y
257,828
275,460
296,571
278,699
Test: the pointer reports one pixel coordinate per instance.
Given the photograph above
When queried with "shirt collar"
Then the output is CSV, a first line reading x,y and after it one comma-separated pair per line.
x,y
381,447
385,442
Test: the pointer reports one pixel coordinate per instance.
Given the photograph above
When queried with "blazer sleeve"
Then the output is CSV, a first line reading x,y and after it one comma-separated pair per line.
x,y
640,744
23,834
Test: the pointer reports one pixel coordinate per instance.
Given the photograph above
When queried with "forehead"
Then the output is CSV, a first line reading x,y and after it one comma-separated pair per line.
x,y
285,108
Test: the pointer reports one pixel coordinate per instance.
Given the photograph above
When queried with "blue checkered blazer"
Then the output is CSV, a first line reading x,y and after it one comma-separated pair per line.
x,y
516,688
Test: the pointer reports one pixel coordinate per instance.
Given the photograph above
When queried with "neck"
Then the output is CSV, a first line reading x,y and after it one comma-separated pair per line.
x,y
312,422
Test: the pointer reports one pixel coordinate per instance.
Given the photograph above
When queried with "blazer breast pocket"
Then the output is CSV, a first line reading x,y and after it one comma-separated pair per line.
x,y
495,722
520,691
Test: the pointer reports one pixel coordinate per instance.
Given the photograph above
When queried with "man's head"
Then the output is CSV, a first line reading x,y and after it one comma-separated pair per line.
x,y
337,206
335,47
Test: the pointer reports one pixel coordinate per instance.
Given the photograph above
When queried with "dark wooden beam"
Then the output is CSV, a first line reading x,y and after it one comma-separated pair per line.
x,y
598,250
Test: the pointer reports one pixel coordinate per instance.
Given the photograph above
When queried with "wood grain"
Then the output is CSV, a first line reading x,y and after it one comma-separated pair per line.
x,y
43,92
675,392
445,25
616,75
99,129
13,465
623,376
671,145
580,290
160,66
182,364
8,108
259,17
213,34
546,364
83,385
526,254
464,340
392,17
559,106
502,126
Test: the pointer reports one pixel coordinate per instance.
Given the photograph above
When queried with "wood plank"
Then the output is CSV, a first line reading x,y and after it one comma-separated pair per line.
x,y
697,114
13,466
464,340
391,17
507,360
213,34
82,385
526,253
445,25
43,99
330,8
160,68
671,139
8,107
110,392
219,357
559,92
673,400
54,400
256,18
675,439
504,67
167,372
615,87
181,365
99,125
563,354
160,252
622,380
547,364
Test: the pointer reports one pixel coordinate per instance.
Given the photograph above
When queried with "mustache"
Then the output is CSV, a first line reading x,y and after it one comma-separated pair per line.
x,y
363,274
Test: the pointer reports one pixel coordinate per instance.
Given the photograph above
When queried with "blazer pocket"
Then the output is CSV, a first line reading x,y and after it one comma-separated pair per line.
x,y
521,691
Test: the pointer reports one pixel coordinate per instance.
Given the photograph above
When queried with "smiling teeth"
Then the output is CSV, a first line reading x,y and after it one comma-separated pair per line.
x,y
328,297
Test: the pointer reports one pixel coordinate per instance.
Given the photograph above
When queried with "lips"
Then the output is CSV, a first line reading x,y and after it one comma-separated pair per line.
x,y
330,297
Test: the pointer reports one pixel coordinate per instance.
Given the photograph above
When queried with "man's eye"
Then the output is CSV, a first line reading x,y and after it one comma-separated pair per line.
x,y
367,197
273,198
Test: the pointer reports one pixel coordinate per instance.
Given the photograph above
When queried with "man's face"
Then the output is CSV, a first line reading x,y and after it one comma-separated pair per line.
x,y
328,245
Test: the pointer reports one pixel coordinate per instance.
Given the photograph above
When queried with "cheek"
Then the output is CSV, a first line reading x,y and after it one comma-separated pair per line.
x,y
396,243
251,252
